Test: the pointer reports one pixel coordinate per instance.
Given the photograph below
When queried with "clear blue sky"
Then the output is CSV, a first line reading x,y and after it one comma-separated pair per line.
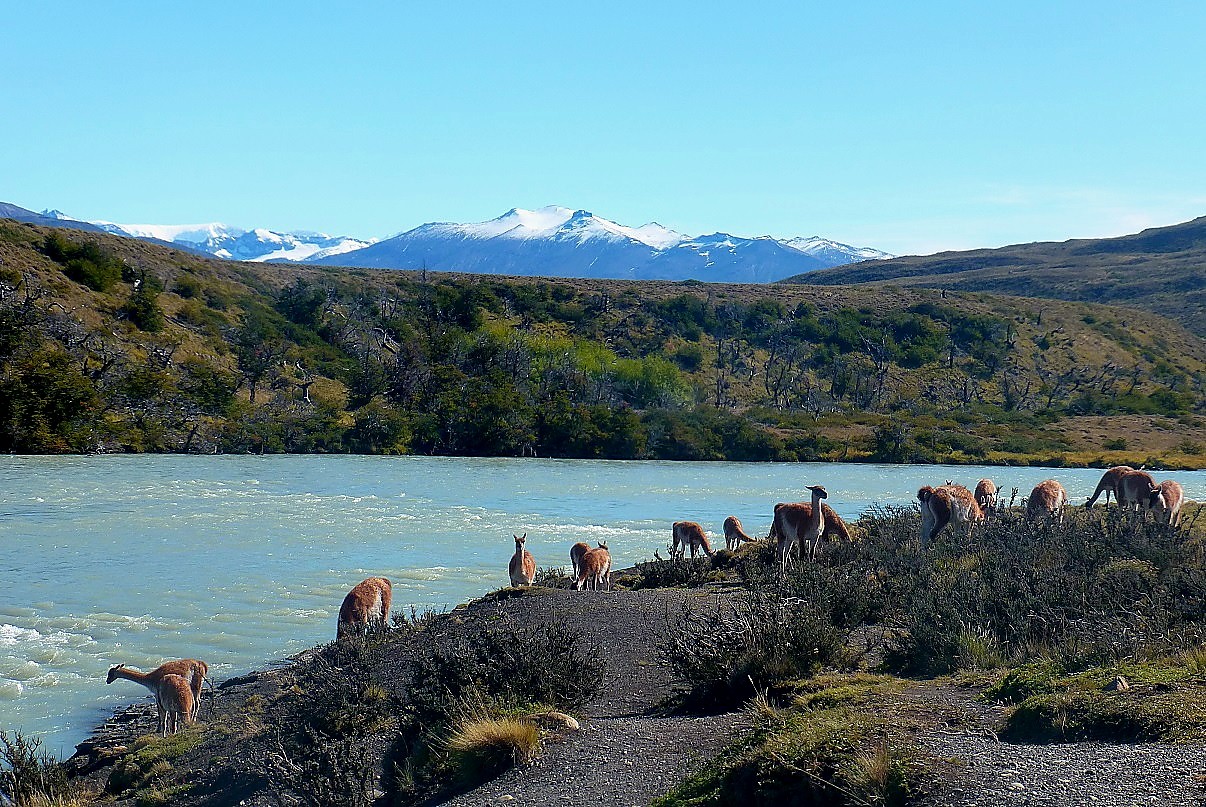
x,y
911,127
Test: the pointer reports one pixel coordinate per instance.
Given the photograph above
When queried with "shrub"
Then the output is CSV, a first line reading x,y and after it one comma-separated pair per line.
x,y
86,262
832,756
510,665
28,774
673,573
756,640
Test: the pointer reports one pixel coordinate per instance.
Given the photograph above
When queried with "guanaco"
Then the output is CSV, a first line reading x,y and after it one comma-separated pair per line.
x,y
365,609
522,566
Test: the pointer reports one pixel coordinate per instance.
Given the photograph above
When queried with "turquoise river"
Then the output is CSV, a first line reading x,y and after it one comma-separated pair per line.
x,y
242,561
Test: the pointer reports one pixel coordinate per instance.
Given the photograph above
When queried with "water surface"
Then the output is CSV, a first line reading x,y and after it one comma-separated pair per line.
x,y
243,560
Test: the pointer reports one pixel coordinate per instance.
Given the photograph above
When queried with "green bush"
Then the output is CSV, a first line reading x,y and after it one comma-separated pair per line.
x,y
86,262
510,665
763,638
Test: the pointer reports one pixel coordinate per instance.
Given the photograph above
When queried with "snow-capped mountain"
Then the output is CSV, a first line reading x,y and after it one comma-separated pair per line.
x,y
232,243
840,254
562,242
551,241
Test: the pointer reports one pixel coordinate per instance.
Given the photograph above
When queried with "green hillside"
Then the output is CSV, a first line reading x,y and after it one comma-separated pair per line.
x,y
1161,270
110,344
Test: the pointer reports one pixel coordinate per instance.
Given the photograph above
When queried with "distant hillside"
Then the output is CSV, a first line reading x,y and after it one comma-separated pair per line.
x,y
1162,269
115,344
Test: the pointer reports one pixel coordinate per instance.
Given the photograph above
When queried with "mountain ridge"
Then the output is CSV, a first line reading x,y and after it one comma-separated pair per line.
x,y
1159,269
557,241
552,241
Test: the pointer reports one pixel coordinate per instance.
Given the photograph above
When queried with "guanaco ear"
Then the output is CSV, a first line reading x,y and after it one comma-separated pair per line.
x,y
525,537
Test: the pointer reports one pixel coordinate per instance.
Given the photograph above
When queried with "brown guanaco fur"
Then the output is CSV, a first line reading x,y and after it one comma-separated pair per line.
x,y
734,534
944,504
1137,490
594,569
1109,485
522,566
1047,500
194,671
576,552
689,534
1167,502
365,608
986,496
801,525
176,695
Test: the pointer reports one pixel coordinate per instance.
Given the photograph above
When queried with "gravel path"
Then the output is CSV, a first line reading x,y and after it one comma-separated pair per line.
x,y
618,762
625,754
986,772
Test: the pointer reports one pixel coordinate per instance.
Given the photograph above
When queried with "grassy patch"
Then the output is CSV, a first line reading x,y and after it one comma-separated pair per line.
x,y
833,747
483,747
149,763
1162,702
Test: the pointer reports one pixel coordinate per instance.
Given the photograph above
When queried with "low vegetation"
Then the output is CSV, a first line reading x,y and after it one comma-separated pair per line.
x,y
1093,630
108,344
826,749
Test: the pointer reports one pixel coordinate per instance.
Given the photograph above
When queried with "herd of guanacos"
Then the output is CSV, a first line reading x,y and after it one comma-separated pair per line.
x,y
801,527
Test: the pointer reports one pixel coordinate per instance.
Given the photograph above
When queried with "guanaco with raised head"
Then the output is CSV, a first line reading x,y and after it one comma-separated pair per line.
x,y
522,566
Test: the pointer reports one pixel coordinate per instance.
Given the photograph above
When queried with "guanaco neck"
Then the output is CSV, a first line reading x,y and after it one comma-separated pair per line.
x,y
144,678
818,515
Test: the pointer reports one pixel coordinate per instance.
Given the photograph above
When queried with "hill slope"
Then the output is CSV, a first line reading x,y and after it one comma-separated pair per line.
x,y
1161,269
112,344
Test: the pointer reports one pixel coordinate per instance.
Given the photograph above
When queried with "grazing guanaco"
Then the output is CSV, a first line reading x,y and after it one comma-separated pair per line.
x,y
689,533
734,534
576,552
365,609
522,566
944,504
176,695
194,671
1167,502
1136,490
594,569
986,496
796,527
1047,501
1109,485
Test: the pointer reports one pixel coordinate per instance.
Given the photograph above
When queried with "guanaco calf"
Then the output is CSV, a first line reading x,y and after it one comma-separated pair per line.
x,y
1167,502
522,566
176,695
986,496
734,534
689,534
365,609
594,569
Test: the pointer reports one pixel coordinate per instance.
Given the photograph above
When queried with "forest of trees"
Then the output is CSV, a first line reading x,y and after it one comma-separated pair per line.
x,y
101,352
